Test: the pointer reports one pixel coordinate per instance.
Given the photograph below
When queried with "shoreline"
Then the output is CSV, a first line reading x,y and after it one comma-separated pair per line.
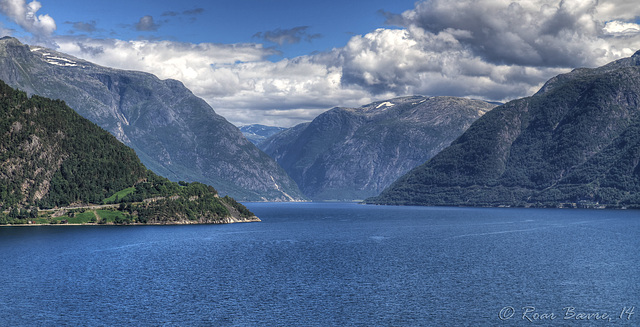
x,y
227,220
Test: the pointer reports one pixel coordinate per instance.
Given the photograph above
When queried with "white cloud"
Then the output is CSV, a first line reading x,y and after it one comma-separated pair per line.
x,y
413,61
540,33
236,80
621,28
487,49
26,16
616,9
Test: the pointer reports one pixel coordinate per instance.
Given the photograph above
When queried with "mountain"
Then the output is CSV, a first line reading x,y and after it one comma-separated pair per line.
x,y
257,133
354,153
52,157
175,133
576,142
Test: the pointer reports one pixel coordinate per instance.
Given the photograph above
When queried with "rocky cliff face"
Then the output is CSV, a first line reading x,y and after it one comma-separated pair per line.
x,y
354,153
576,142
175,133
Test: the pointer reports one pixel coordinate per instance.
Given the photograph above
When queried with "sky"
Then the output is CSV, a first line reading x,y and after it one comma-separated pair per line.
x,y
283,62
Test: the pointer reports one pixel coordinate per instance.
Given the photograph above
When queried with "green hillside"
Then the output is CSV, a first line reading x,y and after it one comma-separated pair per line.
x,y
51,157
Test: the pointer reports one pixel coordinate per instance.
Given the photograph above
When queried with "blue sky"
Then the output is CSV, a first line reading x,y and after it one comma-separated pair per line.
x,y
322,25
281,62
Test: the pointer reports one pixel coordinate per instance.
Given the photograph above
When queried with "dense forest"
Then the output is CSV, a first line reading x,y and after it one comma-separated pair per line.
x,y
51,157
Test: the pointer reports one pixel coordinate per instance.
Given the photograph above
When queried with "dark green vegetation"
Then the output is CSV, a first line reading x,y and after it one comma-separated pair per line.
x,y
354,153
174,133
51,157
574,143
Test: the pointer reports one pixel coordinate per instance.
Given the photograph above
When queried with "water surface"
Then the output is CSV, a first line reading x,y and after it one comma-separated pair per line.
x,y
310,264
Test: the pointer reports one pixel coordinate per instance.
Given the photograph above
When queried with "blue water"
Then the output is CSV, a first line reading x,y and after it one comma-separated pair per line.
x,y
330,265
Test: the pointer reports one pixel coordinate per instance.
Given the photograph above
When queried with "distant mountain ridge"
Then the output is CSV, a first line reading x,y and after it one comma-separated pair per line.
x,y
576,142
257,133
175,133
354,153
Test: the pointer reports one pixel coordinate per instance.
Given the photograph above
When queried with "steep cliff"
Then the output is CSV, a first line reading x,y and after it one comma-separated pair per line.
x,y
175,133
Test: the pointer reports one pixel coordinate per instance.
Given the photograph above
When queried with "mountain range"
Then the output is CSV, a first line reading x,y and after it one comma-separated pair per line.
x,y
175,133
257,133
354,153
576,142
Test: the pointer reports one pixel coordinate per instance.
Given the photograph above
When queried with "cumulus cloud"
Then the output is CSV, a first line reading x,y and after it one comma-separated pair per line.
x,y
25,15
288,36
147,24
533,33
412,61
616,9
486,49
621,28
236,80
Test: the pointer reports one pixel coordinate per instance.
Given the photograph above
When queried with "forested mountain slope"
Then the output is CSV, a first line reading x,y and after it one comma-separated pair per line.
x,y
51,157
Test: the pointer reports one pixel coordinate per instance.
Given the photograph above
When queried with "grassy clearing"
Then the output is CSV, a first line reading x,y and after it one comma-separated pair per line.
x,y
120,194
42,220
82,216
109,215
78,218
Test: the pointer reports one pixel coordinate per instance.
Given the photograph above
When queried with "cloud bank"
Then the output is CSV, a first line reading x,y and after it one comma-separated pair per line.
x,y
485,49
25,15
